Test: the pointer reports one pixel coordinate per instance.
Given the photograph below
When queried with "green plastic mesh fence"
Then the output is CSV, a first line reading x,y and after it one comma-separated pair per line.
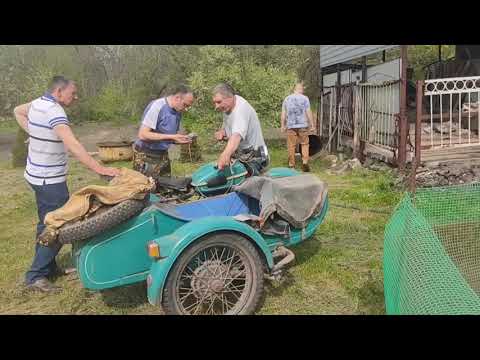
x,y
432,253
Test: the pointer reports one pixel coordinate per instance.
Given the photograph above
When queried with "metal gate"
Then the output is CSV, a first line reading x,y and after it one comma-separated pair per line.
x,y
452,113
378,113
447,122
337,103
373,107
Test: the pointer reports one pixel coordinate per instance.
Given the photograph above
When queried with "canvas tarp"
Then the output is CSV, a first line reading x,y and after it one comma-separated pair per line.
x,y
129,184
295,198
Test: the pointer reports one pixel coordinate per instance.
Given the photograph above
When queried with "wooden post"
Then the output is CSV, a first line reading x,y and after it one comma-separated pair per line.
x,y
358,147
440,60
320,106
337,109
403,126
418,136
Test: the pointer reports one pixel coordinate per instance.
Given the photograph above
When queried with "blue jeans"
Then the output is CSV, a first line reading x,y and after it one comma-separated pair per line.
x,y
49,198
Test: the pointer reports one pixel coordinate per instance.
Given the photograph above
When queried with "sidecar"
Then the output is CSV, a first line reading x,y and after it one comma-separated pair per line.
x,y
203,257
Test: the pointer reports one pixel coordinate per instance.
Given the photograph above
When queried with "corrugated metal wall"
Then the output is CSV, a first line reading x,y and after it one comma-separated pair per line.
x,y
335,54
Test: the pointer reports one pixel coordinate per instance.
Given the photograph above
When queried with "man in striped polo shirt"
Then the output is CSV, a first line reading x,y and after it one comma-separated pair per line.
x,y
50,137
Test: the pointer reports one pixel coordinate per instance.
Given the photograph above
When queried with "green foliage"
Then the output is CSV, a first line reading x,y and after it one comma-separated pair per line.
x,y
420,56
111,104
20,149
116,82
263,85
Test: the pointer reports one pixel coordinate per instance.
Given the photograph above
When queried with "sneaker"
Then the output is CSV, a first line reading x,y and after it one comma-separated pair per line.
x,y
43,285
305,168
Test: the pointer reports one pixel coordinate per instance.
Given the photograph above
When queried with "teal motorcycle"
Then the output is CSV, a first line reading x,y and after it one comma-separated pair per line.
x,y
207,256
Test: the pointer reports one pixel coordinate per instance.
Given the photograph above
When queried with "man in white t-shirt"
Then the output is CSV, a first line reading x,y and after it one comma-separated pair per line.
x,y
241,128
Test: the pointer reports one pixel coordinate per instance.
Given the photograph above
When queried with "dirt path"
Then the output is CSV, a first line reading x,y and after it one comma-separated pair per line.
x,y
88,134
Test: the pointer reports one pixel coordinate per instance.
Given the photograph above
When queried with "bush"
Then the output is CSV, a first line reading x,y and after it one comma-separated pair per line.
x,y
112,104
20,149
264,86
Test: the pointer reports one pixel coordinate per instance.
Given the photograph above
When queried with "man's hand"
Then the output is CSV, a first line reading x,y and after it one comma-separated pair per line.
x,y
223,161
220,135
107,171
283,129
181,139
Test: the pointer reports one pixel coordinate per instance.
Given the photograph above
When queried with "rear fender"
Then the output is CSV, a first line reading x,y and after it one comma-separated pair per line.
x,y
171,246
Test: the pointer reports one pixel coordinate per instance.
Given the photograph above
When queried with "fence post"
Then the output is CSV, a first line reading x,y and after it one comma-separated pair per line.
x,y
338,92
418,136
356,121
402,144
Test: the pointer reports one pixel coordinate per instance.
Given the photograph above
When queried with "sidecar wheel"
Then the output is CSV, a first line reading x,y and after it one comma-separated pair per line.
x,y
221,274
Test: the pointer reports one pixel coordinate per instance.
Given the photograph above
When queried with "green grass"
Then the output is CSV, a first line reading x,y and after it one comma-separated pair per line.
x,y
338,271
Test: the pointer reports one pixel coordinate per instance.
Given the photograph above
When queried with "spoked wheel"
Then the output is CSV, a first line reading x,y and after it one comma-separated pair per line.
x,y
218,275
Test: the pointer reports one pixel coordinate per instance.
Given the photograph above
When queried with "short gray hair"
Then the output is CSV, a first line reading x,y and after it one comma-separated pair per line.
x,y
59,82
224,89
180,89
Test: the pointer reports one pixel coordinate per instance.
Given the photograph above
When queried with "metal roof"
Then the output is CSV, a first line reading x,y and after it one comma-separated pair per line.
x,y
336,54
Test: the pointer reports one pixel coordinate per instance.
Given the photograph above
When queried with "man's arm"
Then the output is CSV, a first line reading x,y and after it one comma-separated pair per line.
x,y
73,145
146,134
232,146
21,115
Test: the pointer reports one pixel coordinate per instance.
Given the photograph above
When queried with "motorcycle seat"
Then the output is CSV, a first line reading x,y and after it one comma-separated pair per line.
x,y
175,183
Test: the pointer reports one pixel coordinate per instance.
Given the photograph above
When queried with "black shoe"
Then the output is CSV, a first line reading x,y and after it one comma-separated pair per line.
x,y
59,272
305,168
43,285
64,272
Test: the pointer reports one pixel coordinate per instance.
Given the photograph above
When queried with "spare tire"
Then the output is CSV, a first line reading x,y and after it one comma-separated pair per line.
x,y
104,220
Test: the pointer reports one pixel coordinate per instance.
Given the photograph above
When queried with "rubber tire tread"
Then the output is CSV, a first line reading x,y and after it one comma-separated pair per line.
x,y
256,301
84,229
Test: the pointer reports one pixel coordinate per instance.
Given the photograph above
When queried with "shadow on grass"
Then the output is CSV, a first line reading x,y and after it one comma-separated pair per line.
x,y
126,297
303,252
371,298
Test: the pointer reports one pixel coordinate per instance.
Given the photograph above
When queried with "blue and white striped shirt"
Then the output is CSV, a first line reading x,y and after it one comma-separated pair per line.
x,y
47,155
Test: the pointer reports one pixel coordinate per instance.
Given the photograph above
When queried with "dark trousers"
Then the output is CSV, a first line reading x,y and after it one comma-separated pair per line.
x,y
49,198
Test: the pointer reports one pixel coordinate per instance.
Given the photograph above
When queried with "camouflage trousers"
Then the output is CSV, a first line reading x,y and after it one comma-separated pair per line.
x,y
151,165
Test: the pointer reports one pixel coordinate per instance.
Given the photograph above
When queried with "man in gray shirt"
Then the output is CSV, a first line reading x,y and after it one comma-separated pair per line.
x,y
242,129
297,119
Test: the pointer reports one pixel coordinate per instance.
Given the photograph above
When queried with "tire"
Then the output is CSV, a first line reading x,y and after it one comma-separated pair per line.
x,y
104,220
216,285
